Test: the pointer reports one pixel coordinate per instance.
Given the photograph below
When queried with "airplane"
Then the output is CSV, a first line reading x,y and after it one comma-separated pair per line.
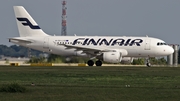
x,y
111,49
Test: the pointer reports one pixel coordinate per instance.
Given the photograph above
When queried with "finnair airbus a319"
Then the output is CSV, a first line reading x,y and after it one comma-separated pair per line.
x,y
112,49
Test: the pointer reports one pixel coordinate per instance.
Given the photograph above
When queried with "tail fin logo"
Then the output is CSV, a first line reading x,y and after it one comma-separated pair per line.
x,y
26,22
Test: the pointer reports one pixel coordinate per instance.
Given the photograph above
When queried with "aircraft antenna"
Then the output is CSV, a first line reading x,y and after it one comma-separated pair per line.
x,y
64,27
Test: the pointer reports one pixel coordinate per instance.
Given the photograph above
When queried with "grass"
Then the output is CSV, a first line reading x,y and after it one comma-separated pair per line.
x,y
92,83
12,88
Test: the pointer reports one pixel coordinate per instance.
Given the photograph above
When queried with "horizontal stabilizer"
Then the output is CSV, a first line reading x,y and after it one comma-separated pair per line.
x,y
16,40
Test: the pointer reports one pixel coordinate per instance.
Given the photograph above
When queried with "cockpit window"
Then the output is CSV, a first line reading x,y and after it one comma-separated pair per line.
x,y
161,43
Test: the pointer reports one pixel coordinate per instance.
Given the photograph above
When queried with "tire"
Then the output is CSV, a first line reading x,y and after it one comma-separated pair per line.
x,y
148,64
90,63
98,63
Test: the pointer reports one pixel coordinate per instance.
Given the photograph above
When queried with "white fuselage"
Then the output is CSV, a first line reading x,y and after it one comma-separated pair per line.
x,y
135,46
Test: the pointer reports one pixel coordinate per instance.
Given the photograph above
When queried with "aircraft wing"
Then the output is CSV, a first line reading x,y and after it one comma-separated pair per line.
x,y
88,50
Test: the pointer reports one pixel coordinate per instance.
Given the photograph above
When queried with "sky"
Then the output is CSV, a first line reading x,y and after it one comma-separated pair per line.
x,y
155,18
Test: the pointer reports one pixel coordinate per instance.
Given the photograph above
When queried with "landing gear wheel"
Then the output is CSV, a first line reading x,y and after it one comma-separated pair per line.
x,y
148,64
90,63
98,63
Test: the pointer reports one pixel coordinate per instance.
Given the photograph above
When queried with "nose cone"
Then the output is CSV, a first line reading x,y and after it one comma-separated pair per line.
x,y
164,51
170,50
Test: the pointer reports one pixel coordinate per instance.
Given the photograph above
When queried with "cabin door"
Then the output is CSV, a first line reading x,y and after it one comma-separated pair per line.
x,y
147,44
46,43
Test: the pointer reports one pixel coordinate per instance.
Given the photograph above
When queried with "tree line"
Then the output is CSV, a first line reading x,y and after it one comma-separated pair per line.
x,y
17,51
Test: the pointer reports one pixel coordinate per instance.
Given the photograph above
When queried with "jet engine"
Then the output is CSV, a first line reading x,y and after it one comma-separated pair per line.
x,y
114,56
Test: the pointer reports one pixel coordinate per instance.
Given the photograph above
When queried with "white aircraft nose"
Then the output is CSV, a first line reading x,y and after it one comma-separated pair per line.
x,y
166,50
170,50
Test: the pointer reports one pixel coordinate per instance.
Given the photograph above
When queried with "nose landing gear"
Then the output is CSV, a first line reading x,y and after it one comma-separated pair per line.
x,y
148,64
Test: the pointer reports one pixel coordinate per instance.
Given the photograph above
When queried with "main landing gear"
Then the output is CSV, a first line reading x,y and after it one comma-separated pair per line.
x,y
91,63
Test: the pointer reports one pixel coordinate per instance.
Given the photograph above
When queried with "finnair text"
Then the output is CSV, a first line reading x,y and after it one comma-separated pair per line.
x,y
101,41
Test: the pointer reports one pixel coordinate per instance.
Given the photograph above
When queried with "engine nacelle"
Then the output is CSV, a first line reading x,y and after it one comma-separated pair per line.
x,y
127,60
112,57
